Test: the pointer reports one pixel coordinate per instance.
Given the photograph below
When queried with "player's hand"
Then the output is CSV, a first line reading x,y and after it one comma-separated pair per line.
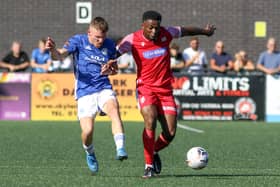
x,y
110,68
50,44
210,29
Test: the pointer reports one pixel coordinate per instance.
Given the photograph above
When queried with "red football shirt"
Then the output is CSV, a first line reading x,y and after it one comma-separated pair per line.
x,y
152,57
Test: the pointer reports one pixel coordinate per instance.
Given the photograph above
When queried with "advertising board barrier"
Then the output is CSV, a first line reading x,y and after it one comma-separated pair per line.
x,y
272,98
15,96
219,97
53,97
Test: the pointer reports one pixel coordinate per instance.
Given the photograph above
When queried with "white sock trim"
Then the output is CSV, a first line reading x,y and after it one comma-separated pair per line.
x,y
119,139
89,149
148,165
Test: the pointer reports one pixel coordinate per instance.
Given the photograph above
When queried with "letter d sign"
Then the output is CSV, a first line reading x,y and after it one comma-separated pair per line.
x,y
83,12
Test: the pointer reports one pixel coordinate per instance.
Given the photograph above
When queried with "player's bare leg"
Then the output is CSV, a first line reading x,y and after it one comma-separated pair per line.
x,y
111,108
87,127
168,124
149,114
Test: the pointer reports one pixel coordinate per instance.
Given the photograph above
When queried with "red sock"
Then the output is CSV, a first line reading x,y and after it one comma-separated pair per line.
x,y
149,144
161,143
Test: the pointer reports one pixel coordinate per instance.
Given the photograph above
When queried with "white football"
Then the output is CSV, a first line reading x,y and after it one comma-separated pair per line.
x,y
197,158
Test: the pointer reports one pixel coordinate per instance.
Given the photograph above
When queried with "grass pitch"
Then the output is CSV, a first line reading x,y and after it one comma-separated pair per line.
x,y
50,154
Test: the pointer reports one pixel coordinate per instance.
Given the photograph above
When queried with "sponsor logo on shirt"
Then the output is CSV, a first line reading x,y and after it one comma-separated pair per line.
x,y
95,59
154,53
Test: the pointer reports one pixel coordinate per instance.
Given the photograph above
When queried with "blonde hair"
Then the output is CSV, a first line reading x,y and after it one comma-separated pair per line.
x,y
100,24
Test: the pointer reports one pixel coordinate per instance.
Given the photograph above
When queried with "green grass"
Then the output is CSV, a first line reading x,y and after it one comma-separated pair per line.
x,y
50,154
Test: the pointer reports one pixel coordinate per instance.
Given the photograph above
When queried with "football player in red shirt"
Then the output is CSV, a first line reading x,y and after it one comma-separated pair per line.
x,y
150,49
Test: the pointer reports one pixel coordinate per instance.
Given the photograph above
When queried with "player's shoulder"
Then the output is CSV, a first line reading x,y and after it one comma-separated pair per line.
x,y
167,28
78,37
109,43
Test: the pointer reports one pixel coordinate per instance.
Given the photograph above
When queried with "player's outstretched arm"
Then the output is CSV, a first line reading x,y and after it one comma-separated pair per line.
x,y
190,31
56,54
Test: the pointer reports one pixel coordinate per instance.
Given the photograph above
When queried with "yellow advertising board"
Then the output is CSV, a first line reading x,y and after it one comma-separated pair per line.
x,y
52,97
124,86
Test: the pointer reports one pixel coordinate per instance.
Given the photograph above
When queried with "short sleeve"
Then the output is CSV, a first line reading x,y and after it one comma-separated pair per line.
x,y
174,31
72,44
213,56
261,59
6,58
185,55
229,57
34,54
126,44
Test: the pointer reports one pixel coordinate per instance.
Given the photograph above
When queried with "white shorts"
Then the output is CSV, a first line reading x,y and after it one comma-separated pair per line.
x,y
90,105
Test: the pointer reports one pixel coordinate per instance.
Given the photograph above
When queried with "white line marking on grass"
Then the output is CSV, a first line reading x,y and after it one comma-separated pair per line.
x,y
188,128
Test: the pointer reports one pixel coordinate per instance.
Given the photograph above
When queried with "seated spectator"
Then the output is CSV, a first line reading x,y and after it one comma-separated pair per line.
x,y
41,59
177,61
64,65
269,60
16,60
242,63
195,58
221,61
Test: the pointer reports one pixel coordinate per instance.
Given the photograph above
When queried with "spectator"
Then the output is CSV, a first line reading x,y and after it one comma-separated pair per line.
x,y
63,65
176,61
221,61
126,62
195,58
16,60
242,63
41,59
269,60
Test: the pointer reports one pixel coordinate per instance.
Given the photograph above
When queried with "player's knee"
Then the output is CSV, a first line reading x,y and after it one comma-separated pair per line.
x,y
169,136
111,107
86,132
150,121
150,118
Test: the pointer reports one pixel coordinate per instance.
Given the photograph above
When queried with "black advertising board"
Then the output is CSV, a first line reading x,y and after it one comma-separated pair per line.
x,y
219,97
